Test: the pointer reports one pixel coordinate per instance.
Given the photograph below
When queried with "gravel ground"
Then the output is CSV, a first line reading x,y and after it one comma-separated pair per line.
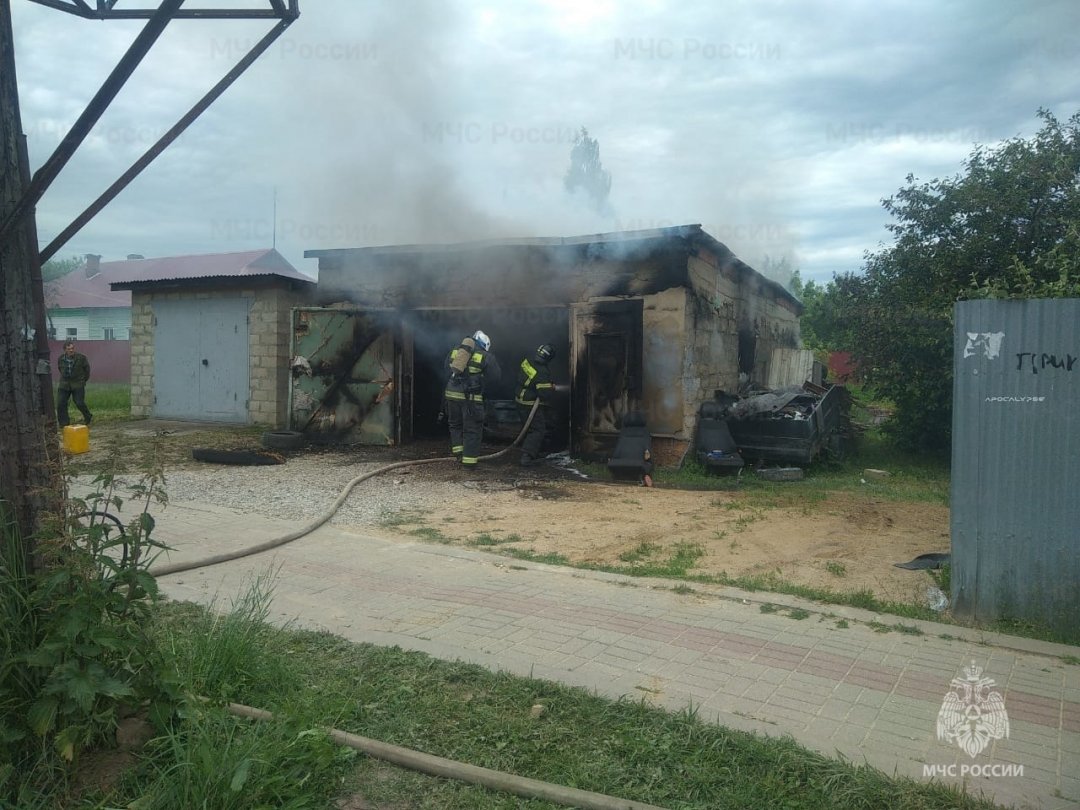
x,y
307,485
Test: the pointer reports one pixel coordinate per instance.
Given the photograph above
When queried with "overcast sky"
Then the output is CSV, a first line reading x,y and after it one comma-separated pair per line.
x,y
779,125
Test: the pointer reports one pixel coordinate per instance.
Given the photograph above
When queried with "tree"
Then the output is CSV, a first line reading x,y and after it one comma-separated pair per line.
x,y
821,325
58,268
586,172
1006,226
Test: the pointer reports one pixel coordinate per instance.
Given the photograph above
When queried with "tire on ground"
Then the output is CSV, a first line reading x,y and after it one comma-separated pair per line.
x,y
246,458
283,439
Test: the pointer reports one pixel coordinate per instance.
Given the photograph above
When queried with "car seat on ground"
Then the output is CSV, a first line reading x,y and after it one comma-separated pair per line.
x,y
631,460
715,448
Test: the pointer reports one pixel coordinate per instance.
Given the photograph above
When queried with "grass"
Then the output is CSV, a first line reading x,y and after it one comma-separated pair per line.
x,y
223,653
625,748
109,402
429,533
917,478
484,540
643,551
837,569
549,558
391,520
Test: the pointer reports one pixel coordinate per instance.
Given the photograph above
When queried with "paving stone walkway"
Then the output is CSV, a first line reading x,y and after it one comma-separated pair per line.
x,y
828,676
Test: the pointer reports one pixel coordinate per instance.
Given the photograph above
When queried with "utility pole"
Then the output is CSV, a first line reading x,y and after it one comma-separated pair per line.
x,y
30,484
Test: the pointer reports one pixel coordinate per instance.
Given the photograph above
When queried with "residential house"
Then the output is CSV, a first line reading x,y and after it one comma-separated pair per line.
x,y
82,306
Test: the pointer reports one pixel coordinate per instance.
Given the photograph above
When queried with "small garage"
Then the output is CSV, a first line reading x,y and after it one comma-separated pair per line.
x,y
652,321
210,335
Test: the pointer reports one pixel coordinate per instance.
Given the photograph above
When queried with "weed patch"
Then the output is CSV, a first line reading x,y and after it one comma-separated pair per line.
x,y
643,551
390,520
486,539
531,555
429,533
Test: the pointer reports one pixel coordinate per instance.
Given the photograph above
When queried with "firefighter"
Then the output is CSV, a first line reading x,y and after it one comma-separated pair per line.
x,y
470,366
534,383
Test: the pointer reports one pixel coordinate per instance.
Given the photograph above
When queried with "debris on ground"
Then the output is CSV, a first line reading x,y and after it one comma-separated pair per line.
x,y
926,561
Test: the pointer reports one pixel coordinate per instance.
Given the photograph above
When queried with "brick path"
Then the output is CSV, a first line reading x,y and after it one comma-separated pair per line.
x,y
870,696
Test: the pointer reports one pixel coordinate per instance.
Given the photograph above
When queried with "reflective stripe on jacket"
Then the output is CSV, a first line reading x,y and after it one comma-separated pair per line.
x,y
533,382
470,385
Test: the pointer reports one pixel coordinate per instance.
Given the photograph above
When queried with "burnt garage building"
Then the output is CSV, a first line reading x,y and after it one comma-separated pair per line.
x,y
653,320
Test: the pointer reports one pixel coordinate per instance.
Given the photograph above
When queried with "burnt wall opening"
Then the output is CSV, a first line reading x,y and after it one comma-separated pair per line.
x,y
747,350
515,333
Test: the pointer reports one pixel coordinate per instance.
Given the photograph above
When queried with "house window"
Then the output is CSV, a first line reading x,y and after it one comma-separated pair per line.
x,y
72,332
108,333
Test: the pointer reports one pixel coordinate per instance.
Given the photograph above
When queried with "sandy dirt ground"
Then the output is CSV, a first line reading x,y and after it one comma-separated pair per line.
x,y
846,542
849,541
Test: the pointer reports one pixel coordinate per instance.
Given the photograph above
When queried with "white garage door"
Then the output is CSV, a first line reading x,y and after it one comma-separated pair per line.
x,y
201,359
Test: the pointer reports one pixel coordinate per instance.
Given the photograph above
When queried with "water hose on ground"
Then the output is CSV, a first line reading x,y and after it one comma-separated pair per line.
x,y
395,754
463,772
267,545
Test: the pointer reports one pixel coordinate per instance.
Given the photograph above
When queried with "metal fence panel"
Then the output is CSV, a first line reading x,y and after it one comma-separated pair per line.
x,y
1016,462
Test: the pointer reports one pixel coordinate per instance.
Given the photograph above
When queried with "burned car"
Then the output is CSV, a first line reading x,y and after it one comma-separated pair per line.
x,y
791,425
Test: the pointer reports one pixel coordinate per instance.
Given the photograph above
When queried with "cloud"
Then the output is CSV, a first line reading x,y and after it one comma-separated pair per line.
x,y
778,126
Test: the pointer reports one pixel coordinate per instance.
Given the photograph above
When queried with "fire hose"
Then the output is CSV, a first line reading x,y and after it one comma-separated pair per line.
x,y
463,772
267,545
405,757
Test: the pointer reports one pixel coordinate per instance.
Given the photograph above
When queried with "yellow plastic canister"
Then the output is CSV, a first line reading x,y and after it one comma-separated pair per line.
x,y
76,438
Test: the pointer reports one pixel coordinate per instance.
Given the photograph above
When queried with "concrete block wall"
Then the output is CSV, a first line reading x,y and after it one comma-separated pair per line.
x,y
721,302
777,327
142,355
271,333
712,337
664,336
268,348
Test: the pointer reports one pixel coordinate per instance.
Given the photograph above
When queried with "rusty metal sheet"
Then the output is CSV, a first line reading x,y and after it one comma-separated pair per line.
x,y
343,381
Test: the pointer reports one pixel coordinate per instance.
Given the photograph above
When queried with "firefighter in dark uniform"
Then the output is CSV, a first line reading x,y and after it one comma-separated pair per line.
x,y
534,383
470,366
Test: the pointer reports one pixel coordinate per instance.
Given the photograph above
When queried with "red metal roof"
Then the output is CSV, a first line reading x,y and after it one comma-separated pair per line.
x,y
76,291
266,262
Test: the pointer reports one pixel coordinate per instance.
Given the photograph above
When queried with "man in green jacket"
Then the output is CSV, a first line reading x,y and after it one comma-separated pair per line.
x,y
74,374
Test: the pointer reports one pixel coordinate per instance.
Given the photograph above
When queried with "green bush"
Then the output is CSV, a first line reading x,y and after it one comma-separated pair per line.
x,y
76,654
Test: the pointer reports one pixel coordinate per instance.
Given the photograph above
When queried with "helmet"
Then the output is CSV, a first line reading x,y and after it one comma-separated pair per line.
x,y
544,353
482,340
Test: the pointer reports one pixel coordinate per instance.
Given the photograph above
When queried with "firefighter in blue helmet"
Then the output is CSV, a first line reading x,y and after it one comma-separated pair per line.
x,y
534,383
469,367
